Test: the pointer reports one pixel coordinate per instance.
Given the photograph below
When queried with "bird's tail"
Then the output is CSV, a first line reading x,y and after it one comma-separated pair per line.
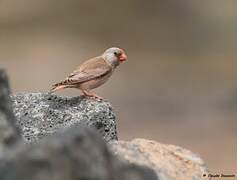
x,y
58,86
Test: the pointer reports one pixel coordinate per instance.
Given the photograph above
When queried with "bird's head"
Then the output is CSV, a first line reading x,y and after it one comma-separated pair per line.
x,y
114,56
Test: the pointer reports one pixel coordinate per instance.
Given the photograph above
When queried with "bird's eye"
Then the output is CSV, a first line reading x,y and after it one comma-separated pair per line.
x,y
115,53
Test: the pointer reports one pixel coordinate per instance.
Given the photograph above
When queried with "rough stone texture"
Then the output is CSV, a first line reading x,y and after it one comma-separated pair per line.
x,y
77,154
169,162
9,133
41,114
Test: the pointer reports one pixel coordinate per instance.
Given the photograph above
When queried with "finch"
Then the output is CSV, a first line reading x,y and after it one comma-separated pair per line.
x,y
93,72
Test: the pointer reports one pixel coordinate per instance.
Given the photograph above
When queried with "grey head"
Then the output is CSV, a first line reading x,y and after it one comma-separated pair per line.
x,y
114,56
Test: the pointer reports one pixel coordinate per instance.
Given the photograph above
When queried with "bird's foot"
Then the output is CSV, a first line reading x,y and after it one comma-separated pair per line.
x,y
92,95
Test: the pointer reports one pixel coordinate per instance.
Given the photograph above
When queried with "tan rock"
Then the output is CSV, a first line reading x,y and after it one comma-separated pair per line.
x,y
168,161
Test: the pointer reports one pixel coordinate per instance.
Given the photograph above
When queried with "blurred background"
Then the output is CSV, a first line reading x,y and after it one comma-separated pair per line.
x,y
179,85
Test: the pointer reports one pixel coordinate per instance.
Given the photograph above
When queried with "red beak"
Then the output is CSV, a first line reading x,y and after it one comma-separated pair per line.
x,y
123,57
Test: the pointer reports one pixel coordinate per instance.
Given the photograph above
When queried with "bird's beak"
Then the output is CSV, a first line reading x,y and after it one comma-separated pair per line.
x,y
123,57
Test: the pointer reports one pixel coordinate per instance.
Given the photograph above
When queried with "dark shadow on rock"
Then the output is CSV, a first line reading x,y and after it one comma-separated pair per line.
x,y
78,153
9,132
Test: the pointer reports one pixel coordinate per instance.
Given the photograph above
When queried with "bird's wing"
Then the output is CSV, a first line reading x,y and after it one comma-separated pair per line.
x,y
91,69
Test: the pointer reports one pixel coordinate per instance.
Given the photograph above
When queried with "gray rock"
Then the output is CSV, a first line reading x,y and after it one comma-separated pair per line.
x,y
9,132
70,153
42,114
168,161
77,154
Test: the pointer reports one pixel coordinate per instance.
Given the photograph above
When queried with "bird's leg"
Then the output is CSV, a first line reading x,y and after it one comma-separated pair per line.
x,y
91,94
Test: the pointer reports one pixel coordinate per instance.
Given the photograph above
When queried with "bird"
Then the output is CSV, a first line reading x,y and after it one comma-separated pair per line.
x,y
93,72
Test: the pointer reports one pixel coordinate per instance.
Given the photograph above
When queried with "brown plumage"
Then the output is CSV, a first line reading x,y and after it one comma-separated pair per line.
x,y
93,72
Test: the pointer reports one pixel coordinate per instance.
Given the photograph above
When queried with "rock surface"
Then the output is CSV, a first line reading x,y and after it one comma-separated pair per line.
x,y
42,114
168,161
76,154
